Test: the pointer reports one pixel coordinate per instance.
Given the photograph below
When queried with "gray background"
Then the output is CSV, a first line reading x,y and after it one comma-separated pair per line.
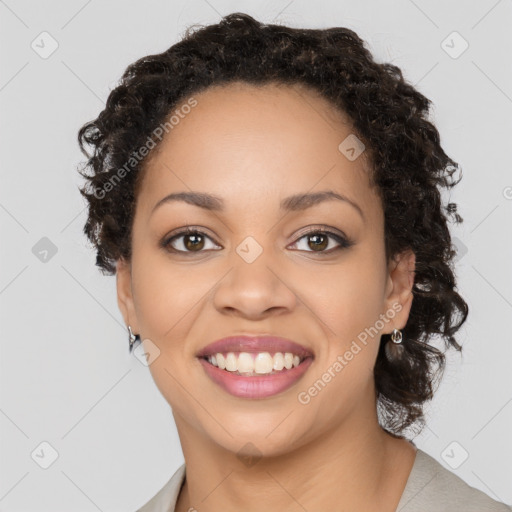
x,y
66,376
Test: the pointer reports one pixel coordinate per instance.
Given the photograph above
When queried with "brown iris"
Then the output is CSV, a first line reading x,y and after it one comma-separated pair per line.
x,y
196,244
320,246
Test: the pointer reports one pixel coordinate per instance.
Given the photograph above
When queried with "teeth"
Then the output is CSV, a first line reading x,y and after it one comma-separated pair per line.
x,y
262,363
231,362
221,361
278,361
245,363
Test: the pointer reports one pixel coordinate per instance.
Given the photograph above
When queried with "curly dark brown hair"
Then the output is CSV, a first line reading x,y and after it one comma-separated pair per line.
x,y
389,116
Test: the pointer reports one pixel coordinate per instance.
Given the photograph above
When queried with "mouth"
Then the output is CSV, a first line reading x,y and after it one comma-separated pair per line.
x,y
255,367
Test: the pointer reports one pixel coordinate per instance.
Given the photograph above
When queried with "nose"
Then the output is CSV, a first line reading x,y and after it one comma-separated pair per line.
x,y
255,290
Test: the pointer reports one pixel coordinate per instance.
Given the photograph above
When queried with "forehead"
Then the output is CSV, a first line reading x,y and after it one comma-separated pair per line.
x,y
251,143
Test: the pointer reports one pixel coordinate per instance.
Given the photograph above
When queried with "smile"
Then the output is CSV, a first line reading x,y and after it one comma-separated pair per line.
x,y
255,375
255,366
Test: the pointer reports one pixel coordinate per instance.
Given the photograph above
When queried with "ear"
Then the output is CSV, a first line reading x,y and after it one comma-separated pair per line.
x,y
399,289
124,294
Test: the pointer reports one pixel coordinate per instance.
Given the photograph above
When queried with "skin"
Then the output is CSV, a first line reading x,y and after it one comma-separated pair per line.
x,y
254,146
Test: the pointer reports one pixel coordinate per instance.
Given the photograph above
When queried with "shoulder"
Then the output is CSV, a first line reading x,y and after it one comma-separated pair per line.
x,y
432,488
165,499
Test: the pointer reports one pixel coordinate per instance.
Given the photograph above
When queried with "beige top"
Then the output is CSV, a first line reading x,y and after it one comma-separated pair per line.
x,y
429,488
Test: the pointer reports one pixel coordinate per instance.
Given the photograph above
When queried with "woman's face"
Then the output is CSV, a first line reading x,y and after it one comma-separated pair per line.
x,y
254,270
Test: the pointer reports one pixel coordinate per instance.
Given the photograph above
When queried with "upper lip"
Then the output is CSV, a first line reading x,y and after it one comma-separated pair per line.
x,y
260,343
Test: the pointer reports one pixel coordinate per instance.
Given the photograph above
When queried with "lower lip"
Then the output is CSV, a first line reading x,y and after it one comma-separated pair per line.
x,y
256,387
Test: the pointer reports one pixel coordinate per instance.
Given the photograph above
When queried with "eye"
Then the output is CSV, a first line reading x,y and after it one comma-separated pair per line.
x,y
319,240
191,240
186,241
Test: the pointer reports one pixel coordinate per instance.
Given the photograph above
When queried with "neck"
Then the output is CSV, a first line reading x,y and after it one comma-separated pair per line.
x,y
354,466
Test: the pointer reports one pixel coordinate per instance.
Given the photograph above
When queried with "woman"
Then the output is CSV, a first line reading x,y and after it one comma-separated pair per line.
x,y
269,200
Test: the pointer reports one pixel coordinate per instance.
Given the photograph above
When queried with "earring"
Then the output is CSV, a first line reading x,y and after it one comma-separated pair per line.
x,y
394,348
132,338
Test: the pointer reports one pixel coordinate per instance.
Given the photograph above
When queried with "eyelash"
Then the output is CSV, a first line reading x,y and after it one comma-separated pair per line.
x,y
344,243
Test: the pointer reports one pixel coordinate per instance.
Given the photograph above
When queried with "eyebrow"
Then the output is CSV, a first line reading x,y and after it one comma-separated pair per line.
x,y
293,203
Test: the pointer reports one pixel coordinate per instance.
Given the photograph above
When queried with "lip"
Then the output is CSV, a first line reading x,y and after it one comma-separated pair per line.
x,y
255,386
241,343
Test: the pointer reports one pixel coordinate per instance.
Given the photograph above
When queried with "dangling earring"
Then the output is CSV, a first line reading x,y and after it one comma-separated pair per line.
x,y
394,348
132,338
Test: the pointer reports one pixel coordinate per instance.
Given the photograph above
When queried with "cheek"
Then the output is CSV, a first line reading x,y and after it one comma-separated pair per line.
x,y
346,312
168,299
166,294
348,298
